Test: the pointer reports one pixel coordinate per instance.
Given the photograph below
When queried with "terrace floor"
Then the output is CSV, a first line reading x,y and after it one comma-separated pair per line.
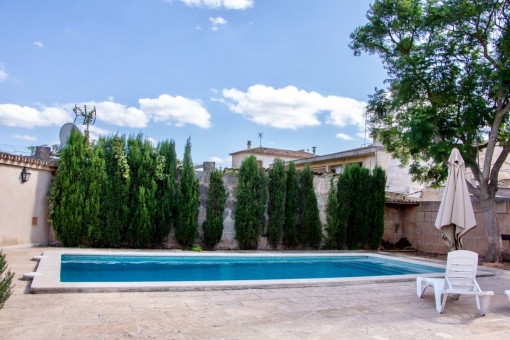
x,y
386,310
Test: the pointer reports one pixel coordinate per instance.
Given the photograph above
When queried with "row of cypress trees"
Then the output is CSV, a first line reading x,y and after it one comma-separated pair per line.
x,y
123,192
355,209
293,214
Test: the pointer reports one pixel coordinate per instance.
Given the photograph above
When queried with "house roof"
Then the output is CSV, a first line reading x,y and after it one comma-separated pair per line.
x,y
275,152
371,149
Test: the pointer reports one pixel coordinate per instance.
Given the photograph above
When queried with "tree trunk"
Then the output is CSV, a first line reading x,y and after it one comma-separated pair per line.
x,y
492,226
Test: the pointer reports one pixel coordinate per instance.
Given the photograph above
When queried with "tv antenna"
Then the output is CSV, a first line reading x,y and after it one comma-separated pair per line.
x,y
260,138
86,114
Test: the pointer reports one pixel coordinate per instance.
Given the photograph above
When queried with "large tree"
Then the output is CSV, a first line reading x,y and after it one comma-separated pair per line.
x,y
449,68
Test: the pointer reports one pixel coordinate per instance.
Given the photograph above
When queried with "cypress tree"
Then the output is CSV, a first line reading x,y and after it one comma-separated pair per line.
x,y
335,240
116,209
291,207
186,229
261,199
344,197
166,195
95,188
276,203
142,192
5,281
247,218
378,180
215,206
309,220
67,194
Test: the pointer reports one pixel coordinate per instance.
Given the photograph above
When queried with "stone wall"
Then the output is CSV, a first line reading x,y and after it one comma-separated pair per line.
x,y
416,224
321,184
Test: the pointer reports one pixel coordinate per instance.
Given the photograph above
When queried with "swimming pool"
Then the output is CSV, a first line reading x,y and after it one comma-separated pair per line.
x,y
48,275
119,268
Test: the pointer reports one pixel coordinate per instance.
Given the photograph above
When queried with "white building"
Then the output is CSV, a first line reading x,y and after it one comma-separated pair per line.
x,y
265,156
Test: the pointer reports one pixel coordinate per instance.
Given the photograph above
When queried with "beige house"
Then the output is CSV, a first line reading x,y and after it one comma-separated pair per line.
x,y
266,156
399,182
24,183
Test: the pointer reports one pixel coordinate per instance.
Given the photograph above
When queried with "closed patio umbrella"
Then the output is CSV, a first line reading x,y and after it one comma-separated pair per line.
x,y
455,216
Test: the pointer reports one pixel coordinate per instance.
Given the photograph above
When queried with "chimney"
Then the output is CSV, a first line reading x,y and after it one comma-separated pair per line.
x,y
249,144
313,149
43,153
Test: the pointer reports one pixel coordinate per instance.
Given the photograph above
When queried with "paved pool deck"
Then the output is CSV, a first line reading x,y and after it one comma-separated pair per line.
x,y
374,310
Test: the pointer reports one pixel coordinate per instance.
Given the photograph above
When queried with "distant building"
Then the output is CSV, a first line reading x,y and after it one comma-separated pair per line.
x,y
398,179
265,156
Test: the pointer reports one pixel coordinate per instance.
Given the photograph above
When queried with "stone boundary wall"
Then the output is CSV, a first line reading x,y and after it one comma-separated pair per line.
x,y
416,224
321,184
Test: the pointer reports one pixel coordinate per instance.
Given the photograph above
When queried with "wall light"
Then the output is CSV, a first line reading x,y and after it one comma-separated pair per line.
x,y
25,175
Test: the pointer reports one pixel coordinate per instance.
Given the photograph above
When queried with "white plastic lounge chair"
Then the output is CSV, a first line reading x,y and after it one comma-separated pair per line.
x,y
507,292
460,279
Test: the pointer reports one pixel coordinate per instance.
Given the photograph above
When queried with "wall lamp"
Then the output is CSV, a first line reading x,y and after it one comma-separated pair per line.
x,y
25,175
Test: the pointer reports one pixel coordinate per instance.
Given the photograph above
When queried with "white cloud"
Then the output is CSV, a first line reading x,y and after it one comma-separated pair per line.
x,y
26,137
152,141
291,108
38,44
176,110
3,74
343,136
28,117
217,22
215,4
120,115
171,110
219,160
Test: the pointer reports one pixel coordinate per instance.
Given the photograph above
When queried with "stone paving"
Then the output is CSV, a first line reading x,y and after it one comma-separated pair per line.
x,y
348,311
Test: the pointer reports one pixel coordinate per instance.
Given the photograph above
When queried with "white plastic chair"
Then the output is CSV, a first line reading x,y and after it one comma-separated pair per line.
x,y
507,292
460,279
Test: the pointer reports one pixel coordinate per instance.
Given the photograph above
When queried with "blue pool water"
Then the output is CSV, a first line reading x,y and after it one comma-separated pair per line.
x,y
114,268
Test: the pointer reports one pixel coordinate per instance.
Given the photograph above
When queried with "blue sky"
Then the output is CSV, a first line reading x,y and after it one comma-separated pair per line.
x,y
220,71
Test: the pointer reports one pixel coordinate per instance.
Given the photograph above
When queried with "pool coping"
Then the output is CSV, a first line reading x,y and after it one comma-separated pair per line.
x,y
46,279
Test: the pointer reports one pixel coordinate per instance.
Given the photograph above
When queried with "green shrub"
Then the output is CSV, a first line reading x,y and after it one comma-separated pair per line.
x,y
310,227
116,204
186,229
378,182
335,239
95,189
215,206
142,202
361,198
276,203
67,195
5,280
166,194
248,204
291,207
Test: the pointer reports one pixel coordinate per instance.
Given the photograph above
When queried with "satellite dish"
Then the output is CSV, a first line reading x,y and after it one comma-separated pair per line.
x,y
65,132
